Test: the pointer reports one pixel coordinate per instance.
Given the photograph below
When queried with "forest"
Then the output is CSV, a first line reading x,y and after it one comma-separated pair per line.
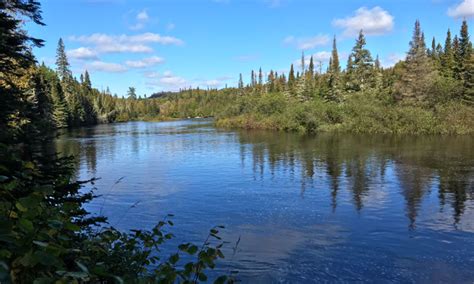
x,y
48,237
430,92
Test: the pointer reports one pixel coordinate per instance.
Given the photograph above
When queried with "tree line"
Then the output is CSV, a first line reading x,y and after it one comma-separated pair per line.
x,y
431,91
63,101
46,235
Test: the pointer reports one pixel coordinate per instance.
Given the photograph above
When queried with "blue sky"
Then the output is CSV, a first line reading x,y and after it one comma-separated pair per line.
x,y
166,45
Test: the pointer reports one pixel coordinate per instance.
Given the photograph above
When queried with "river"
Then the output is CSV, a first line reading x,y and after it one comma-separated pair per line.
x,y
322,208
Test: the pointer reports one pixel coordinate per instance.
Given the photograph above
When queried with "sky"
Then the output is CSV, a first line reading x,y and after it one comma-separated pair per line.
x,y
165,45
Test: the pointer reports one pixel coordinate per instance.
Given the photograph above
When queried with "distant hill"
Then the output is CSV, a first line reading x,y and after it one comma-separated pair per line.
x,y
162,95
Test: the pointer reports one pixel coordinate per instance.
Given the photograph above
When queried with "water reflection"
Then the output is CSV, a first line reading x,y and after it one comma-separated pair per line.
x,y
364,208
420,165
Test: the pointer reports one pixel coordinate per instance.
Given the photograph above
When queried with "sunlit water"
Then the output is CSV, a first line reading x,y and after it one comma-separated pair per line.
x,y
329,208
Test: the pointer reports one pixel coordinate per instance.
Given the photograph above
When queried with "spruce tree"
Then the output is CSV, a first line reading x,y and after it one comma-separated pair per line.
x,y
87,81
360,75
334,71
291,78
465,64
241,82
62,63
447,58
335,65
311,67
419,74
60,111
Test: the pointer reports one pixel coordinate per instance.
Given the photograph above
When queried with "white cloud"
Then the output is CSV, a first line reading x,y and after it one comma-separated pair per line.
x,y
465,9
142,16
145,62
139,43
83,53
141,19
308,42
375,21
392,59
106,67
318,57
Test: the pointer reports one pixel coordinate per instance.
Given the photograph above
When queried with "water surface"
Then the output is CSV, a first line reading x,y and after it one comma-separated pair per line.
x,y
327,208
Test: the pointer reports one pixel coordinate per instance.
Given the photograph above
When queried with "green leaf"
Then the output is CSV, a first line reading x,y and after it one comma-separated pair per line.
x,y
82,266
41,244
20,207
202,277
26,225
192,249
174,258
220,279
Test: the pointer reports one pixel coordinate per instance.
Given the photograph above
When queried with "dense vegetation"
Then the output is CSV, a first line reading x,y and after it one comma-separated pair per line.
x,y
46,236
430,92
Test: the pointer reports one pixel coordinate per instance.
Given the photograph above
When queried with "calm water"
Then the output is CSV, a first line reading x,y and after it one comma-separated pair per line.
x,y
308,209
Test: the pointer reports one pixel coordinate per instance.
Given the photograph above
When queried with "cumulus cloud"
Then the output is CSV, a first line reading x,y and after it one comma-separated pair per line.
x,y
106,67
169,81
83,53
139,43
145,62
375,21
465,9
308,42
141,20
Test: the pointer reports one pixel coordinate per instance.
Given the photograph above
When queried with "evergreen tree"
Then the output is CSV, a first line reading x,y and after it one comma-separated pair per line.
x,y
291,78
131,93
419,73
447,58
311,67
334,71
62,63
87,81
260,77
360,70
60,111
241,82
464,51
335,65
468,95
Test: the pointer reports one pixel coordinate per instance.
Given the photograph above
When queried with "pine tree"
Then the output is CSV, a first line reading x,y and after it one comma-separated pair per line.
x,y
241,82
62,64
464,51
335,65
419,72
457,64
260,77
360,70
465,64
334,71
447,58
131,93
468,94
60,112
87,81
311,67
291,78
